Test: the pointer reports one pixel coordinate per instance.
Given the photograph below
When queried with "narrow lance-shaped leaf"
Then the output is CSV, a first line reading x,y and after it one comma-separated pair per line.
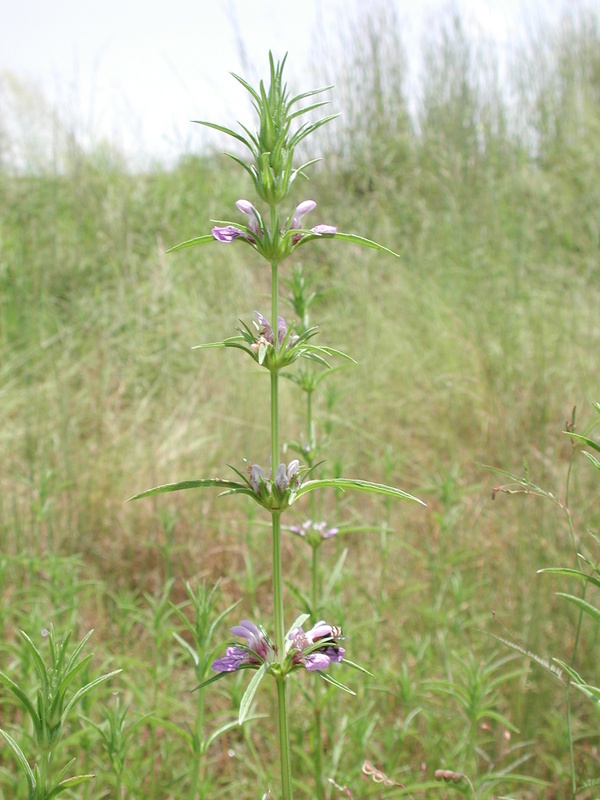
x,y
251,691
203,483
223,129
571,573
85,690
22,698
39,661
329,679
207,237
582,604
23,763
593,459
360,485
584,440
358,667
361,240
68,783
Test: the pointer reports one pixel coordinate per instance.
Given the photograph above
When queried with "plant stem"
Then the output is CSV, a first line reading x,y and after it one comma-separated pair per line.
x,y
278,586
284,740
315,584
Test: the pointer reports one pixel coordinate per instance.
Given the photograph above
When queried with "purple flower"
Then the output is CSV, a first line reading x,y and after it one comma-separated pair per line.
x,y
296,221
257,650
303,208
315,530
285,475
310,653
257,477
321,229
229,232
246,207
267,331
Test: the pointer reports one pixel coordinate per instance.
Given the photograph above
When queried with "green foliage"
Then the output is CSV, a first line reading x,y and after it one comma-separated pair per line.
x,y
471,348
54,702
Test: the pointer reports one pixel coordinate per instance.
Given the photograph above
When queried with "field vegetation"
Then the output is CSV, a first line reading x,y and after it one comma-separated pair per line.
x,y
472,349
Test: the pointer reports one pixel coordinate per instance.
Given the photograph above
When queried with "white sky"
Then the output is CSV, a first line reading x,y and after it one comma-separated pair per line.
x,y
137,71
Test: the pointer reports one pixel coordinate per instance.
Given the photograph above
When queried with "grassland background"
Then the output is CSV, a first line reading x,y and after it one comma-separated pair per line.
x,y
472,348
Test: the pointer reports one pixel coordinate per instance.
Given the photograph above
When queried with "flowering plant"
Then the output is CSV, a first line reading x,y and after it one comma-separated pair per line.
x,y
275,345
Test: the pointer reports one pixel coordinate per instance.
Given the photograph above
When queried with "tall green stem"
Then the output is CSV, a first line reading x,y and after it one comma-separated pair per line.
x,y
278,586
284,737
284,740
277,565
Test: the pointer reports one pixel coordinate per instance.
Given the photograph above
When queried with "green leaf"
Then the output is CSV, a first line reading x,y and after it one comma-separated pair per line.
x,y
571,573
223,129
220,731
207,237
584,440
68,783
306,129
188,648
31,782
203,483
217,676
592,692
22,698
329,679
357,667
349,483
20,756
78,649
593,459
251,691
582,604
85,690
39,661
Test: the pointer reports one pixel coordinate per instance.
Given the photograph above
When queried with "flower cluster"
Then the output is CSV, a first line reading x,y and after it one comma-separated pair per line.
x,y
317,648
313,650
258,649
273,493
271,244
264,347
314,532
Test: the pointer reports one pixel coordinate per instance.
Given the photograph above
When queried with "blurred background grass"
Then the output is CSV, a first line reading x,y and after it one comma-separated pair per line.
x,y
473,347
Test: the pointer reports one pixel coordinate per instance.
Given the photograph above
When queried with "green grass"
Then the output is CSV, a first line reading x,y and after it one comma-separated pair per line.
x,y
472,349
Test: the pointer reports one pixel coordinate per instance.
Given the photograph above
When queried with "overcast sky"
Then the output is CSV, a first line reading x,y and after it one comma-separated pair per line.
x,y
137,71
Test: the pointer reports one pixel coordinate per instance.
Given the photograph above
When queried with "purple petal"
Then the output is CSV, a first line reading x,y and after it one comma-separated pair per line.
x,y
293,469
267,330
257,477
316,661
227,233
281,329
321,229
330,532
246,207
247,630
335,654
319,631
281,479
303,208
233,659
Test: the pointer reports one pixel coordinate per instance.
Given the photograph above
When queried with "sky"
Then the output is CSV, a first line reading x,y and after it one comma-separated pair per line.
x,y
137,72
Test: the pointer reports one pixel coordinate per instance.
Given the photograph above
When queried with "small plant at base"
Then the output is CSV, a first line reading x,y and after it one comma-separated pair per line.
x,y
49,713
